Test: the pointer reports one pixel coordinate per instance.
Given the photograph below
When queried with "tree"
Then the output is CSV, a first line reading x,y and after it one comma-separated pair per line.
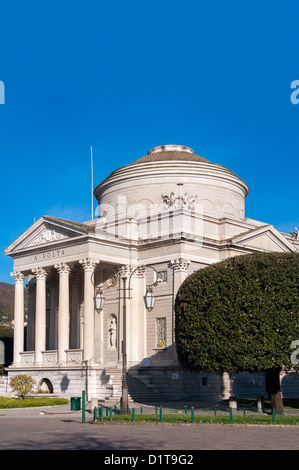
x,y
22,384
241,314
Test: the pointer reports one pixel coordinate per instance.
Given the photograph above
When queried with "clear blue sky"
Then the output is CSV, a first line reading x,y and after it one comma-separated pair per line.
x,y
127,76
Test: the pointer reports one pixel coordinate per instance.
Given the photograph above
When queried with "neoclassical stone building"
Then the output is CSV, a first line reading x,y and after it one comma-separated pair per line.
x,y
158,219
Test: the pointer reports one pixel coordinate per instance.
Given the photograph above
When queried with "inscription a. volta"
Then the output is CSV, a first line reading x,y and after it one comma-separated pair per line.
x,y
49,255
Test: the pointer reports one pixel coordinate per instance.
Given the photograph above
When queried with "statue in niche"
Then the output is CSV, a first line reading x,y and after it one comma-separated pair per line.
x,y
112,331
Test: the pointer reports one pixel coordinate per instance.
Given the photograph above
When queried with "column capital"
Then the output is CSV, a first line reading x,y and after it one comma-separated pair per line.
x,y
180,264
89,264
18,276
63,268
40,273
126,271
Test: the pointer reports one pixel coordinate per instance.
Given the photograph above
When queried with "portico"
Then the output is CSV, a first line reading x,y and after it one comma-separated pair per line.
x,y
54,312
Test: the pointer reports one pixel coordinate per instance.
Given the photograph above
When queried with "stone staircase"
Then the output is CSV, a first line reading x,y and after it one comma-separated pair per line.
x,y
140,389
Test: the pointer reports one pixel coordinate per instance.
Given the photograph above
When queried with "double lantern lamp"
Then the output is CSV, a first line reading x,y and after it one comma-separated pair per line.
x,y
149,300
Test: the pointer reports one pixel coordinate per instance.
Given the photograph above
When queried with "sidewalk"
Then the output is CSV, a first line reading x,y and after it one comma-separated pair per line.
x,y
55,411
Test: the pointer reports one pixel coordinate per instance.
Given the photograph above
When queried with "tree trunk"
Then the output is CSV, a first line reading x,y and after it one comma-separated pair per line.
x,y
274,391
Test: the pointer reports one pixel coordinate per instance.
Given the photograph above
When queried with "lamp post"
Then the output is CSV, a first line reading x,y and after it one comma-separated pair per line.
x,y
149,300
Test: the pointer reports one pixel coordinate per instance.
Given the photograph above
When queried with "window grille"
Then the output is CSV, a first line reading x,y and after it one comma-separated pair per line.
x,y
162,276
161,332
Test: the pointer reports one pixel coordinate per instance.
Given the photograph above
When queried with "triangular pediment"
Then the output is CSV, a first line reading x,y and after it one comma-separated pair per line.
x,y
265,238
47,231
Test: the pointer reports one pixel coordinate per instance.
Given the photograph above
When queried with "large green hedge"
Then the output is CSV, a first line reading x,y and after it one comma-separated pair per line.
x,y
241,314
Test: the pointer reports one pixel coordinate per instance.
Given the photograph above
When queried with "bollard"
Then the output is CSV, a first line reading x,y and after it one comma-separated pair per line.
x,y
161,414
192,415
141,410
111,414
94,414
215,412
133,415
83,406
186,410
231,415
101,414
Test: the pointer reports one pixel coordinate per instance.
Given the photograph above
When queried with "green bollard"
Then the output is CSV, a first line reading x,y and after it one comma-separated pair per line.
x,y
101,414
111,414
273,416
215,412
83,406
186,410
141,410
192,415
94,414
161,414
133,415
231,415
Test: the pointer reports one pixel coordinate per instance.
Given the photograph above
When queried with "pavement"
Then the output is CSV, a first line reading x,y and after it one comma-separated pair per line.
x,y
60,428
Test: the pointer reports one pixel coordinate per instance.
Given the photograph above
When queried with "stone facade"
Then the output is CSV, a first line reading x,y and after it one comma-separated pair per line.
x,y
158,220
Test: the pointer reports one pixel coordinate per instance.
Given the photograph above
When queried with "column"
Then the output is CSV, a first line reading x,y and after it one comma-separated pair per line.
x,y
136,320
88,332
75,313
53,314
40,314
31,315
179,267
18,345
63,311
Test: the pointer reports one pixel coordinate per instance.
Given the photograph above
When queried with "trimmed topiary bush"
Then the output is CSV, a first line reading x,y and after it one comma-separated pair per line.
x,y
241,314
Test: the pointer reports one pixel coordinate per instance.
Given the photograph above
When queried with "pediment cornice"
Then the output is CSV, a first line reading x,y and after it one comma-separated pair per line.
x,y
267,232
47,232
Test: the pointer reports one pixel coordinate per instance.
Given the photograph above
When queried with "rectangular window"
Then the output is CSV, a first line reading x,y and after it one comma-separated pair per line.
x,y
161,332
162,276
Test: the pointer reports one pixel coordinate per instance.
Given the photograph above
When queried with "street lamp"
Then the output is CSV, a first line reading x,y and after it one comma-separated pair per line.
x,y
149,300
99,301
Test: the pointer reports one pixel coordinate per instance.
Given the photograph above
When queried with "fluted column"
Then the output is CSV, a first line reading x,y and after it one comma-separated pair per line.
x,y
40,315
88,330
64,311
18,344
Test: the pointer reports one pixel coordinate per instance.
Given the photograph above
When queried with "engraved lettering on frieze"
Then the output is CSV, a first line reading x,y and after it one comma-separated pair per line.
x,y
49,255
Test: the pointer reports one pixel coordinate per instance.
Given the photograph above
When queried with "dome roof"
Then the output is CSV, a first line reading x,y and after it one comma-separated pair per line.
x,y
171,152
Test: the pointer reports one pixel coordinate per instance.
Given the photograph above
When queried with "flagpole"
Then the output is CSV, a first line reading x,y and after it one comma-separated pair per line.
x,y
91,164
